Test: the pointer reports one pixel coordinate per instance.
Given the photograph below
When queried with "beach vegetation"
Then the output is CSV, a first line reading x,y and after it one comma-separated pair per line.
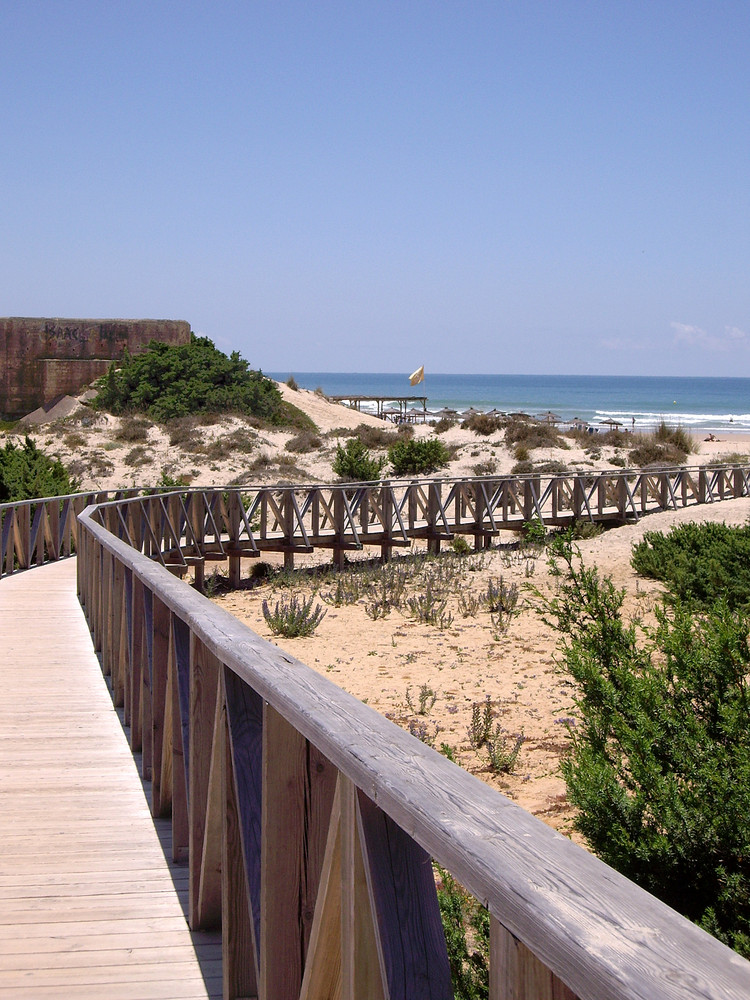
x,y
459,546
133,430
443,424
486,468
291,383
430,608
480,727
613,438
502,750
26,473
137,456
658,765
375,437
353,463
293,617
523,467
582,529
425,699
417,456
466,924
482,423
167,381
303,442
664,446
532,434
699,563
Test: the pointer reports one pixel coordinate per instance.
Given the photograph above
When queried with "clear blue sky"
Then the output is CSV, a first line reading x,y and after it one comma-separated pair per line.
x,y
506,186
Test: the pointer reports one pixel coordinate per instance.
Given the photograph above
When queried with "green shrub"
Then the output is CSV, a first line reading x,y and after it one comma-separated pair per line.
x,y
292,617
353,463
486,468
303,442
374,437
133,430
174,381
482,423
532,434
659,761
700,563
418,456
664,446
463,919
27,473
443,425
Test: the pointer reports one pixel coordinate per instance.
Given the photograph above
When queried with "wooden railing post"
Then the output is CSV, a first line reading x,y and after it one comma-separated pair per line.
x,y
235,560
339,550
386,496
434,495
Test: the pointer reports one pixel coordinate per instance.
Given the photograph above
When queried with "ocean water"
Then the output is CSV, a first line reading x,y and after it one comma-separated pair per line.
x,y
706,404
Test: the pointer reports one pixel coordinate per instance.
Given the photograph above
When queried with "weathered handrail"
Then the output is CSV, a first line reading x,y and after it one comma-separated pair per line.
x,y
35,532
309,820
187,528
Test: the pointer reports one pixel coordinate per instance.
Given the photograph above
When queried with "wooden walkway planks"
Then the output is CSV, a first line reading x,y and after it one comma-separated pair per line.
x,y
88,905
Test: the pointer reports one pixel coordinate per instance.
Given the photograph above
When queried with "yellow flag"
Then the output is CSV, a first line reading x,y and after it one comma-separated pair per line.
x,y
418,376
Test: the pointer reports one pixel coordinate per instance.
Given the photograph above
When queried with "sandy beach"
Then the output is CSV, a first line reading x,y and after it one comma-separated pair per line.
x,y
425,677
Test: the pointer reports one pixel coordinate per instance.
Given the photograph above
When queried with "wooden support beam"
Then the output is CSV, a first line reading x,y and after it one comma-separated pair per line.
x,y
402,890
179,667
517,974
204,681
238,949
159,703
362,974
322,976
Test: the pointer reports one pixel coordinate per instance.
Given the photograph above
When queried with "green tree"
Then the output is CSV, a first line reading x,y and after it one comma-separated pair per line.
x,y
26,473
659,761
168,381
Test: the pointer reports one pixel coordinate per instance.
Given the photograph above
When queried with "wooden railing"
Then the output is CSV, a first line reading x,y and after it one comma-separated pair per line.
x,y
34,532
188,528
309,821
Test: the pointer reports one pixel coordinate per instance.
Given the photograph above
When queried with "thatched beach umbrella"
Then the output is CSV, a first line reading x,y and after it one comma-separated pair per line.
x,y
550,418
611,423
446,412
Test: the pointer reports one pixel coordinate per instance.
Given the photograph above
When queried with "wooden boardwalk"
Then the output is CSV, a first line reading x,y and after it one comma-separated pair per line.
x,y
89,906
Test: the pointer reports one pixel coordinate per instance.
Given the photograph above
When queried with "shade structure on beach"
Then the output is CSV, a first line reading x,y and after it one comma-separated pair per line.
x,y
579,425
550,418
446,412
611,423
471,412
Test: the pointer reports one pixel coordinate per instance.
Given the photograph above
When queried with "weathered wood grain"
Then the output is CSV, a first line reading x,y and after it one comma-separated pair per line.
x,y
588,925
88,907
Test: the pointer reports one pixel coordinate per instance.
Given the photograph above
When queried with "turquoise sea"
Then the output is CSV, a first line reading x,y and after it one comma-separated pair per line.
x,y
706,404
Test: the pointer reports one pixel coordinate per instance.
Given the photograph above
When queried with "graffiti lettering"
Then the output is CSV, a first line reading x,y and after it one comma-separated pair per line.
x,y
63,332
